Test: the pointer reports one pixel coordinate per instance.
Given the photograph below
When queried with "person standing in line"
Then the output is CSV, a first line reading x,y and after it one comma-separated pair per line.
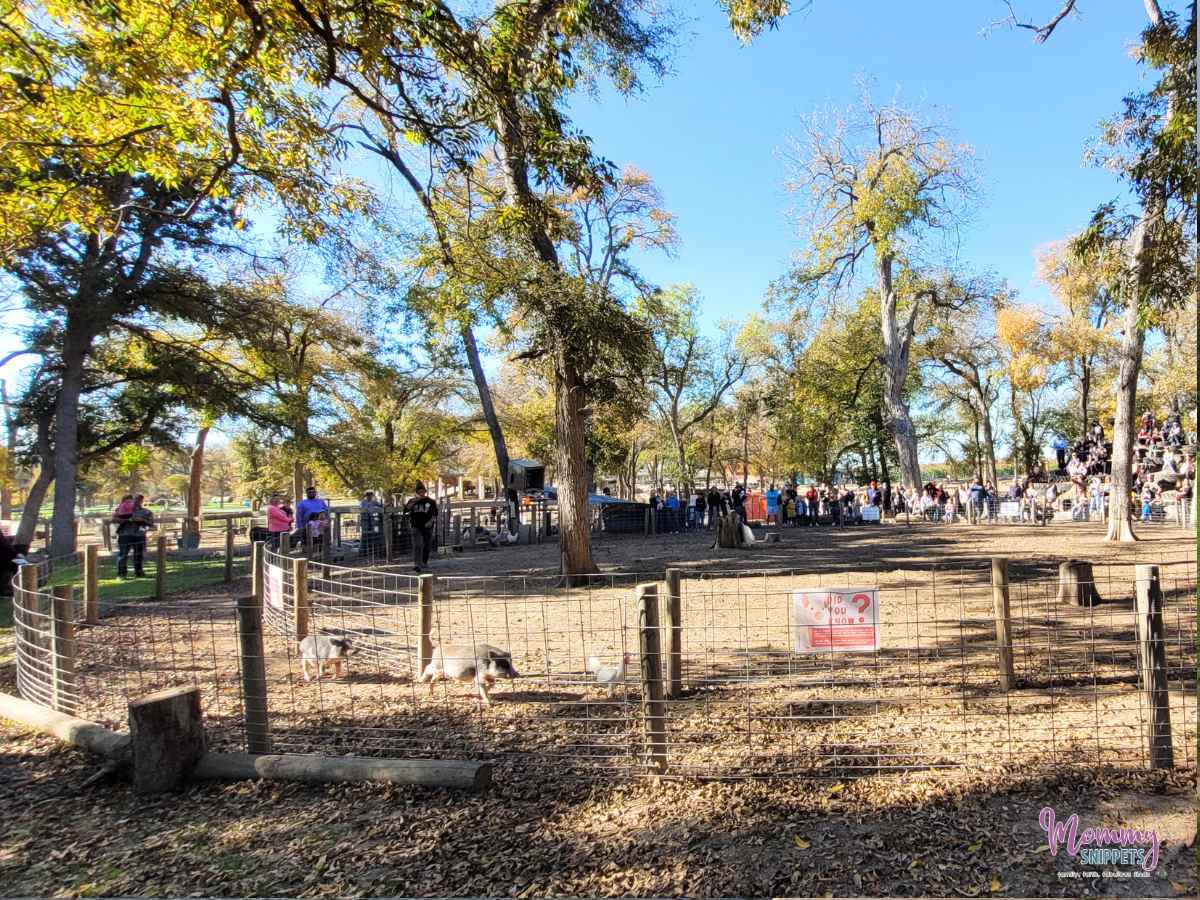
x,y
773,505
131,538
701,509
422,517
310,507
1059,445
714,507
370,524
738,498
978,494
279,521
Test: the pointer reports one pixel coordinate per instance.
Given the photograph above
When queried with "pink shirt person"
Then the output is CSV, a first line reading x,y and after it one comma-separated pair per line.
x,y
277,519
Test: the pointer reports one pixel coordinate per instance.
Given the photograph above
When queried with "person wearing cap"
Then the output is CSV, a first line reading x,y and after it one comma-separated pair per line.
x,y
422,516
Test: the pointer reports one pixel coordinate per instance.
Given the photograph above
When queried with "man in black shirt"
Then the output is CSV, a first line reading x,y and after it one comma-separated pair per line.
x,y
714,506
422,517
739,501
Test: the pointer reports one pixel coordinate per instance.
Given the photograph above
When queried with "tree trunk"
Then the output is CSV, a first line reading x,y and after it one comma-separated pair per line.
x,y
574,525
76,344
978,464
485,402
989,447
746,456
1085,394
895,372
297,481
10,448
883,463
32,509
195,474
1120,511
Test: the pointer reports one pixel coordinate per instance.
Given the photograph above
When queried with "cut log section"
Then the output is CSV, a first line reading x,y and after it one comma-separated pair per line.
x,y
168,738
1076,584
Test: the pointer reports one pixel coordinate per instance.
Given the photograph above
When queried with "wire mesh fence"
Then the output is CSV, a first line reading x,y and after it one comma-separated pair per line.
x,y
754,682
93,663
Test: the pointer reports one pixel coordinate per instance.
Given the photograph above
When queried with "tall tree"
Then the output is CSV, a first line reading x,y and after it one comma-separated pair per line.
x,y
113,168
1152,144
963,344
1082,336
881,186
689,373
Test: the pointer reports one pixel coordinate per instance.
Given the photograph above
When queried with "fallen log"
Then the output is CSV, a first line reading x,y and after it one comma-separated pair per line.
x,y
116,748
77,732
325,769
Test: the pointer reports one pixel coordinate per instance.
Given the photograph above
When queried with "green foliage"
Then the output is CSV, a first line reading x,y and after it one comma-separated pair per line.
x,y
825,395
204,99
1153,146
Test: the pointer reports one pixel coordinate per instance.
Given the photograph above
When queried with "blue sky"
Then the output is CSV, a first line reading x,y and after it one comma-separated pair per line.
x,y
711,133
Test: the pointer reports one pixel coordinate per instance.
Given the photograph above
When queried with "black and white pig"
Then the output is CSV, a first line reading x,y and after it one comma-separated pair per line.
x,y
481,663
319,649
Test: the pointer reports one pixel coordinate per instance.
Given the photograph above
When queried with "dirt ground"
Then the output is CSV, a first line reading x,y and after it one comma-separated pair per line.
x,y
565,816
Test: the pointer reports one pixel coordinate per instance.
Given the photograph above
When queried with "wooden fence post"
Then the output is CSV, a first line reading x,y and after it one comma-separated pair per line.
x,y
1152,666
91,585
337,528
29,577
258,554
300,592
653,709
166,738
106,534
229,551
62,650
673,628
424,622
160,567
254,673
1003,621
474,523
646,525
387,535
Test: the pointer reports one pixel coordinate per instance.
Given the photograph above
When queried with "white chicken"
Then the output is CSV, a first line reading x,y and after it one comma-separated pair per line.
x,y
606,675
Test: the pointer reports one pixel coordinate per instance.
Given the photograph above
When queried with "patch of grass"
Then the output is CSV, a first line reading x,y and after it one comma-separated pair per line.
x,y
182,575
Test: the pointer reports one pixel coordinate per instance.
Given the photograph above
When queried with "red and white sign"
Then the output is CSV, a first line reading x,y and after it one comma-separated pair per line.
x,y
274,587
835,620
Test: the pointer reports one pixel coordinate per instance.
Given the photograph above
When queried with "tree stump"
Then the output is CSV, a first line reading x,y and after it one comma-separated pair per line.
x,y
1076,584
729,531
166,738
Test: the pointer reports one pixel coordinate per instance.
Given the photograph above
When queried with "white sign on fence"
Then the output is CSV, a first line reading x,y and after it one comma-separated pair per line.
x,y
1010,509
839,620
274,586
870,513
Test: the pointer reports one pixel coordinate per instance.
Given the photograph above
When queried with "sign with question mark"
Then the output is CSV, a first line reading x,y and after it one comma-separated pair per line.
x,y
837,620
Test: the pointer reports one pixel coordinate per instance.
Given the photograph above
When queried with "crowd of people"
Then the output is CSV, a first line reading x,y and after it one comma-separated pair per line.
x,y
1164,469
312,523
